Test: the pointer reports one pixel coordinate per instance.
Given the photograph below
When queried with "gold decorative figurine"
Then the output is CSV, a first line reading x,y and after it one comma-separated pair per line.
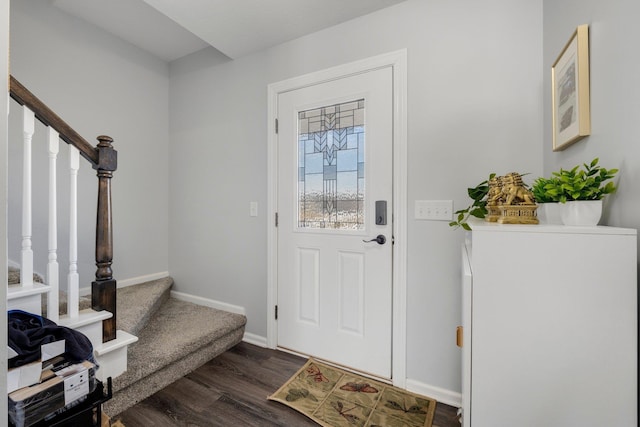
x,y
494,199
518,204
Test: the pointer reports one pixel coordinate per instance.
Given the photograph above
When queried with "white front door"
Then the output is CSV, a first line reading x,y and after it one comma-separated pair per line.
x,y
334,198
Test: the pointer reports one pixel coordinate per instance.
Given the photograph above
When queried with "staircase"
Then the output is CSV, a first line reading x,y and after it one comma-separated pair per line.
x,y
111,355
174,338
142,338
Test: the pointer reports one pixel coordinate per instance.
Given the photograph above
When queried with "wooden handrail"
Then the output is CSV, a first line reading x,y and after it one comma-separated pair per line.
x,y
23,96
104,159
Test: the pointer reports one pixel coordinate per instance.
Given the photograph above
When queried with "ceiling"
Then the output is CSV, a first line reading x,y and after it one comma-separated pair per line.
x,y
170,29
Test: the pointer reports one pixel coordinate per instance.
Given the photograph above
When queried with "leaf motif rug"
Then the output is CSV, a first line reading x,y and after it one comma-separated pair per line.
x,y
333,397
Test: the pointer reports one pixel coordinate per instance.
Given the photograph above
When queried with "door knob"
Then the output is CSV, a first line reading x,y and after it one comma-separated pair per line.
x,y
380,239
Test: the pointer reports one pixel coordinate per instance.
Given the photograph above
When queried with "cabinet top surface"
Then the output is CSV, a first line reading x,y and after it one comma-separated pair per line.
x,y
481,225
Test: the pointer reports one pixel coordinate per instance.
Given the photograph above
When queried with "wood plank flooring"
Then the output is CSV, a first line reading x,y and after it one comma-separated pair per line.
x,y
231,390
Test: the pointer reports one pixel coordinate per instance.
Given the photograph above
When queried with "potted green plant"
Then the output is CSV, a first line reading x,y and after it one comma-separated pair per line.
x,y
540,193
543,190
580,191
478,207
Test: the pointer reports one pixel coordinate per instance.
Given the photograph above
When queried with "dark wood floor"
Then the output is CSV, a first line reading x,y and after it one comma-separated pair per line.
x,y
232,390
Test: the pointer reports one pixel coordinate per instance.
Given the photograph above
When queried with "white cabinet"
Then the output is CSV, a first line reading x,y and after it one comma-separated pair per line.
x,y
550,326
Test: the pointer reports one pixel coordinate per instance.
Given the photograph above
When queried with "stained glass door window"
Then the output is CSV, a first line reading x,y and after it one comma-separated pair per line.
x,y
331,166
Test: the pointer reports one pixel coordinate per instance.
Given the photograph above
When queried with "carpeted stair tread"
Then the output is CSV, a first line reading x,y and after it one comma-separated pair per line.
x,y
13,279
136,304
147,386
178,338
84,303
176,329
13,276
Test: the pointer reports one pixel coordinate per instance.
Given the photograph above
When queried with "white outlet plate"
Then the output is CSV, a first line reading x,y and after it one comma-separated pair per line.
x,y
438,210
253,208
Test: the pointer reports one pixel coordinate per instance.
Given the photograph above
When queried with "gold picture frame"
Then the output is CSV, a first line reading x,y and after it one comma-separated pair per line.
x,y
570,91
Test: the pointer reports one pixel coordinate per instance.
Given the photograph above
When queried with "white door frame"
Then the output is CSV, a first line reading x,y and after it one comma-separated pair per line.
x,y
398,61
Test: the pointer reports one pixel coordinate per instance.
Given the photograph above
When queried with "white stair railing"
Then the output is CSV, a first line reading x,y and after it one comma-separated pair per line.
x,y
26,268
73,286
103,158
53,146
99,323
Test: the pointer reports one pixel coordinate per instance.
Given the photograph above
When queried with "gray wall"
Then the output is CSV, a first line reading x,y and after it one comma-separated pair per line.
x,y
615,110
479,102
474,107
99,85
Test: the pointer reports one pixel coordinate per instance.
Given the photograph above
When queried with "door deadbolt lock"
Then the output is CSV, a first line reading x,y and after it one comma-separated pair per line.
x,y
381,212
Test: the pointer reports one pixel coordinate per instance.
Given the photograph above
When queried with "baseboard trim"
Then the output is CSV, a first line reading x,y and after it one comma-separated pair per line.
x,y
123,283
255,339
208,302
445,396
442,395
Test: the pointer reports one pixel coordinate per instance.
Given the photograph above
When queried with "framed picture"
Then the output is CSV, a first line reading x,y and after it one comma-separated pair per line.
x,y
570,91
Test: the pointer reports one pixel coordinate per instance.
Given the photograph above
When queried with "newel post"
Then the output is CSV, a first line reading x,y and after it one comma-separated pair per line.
x,y
103,289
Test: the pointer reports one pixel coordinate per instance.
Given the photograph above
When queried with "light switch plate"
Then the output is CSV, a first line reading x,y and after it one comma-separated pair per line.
x,y
438,210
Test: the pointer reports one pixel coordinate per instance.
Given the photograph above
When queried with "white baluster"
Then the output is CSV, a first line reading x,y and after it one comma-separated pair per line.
x,y
73,281
26,269
52,266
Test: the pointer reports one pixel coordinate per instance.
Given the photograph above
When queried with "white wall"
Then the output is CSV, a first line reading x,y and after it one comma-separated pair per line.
x,y
474,107
4,96
99,85
615,110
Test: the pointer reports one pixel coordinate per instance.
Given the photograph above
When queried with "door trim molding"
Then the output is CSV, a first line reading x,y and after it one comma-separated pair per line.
x,y
398,62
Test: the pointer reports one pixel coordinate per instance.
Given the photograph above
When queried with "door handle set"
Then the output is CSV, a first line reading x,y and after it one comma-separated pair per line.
x,y
379,239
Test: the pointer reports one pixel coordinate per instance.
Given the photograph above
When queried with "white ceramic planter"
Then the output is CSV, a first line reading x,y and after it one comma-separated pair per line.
x,y
549,213
581,212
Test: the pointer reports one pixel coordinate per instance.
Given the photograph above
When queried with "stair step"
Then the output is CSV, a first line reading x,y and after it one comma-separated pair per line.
x,y
36,296
17,291
180,337
27,298
136,304
13,276
122,340
112,355
89,322
84,302
85,317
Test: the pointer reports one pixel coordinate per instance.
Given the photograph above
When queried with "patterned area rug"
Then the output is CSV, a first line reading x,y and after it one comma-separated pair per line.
x,y
333,397
107,422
